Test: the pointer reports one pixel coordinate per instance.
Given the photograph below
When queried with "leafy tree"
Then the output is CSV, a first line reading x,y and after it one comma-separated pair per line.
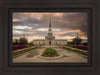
x,y
15,42
77,40
23,40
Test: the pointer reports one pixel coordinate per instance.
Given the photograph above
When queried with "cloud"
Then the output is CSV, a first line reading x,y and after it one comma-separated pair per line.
x,y
15,20
22,27
63,24
42,29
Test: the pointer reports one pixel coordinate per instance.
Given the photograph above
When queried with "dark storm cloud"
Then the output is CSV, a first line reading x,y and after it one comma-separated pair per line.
x,y
66,21
77,21
72,21
28,20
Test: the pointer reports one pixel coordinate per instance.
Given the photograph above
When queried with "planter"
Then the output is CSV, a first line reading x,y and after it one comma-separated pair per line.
x,y
58,55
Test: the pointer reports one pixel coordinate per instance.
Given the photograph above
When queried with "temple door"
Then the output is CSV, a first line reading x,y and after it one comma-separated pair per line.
x,y
49,42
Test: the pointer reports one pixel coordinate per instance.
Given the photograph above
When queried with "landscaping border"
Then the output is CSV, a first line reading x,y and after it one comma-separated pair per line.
x,y
83,52
60,55
21,51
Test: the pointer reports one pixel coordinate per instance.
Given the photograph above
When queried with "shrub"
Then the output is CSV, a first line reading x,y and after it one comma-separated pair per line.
x,y
69,43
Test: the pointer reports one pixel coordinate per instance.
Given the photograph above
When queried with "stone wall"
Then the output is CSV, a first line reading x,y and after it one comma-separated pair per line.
x,y
46,42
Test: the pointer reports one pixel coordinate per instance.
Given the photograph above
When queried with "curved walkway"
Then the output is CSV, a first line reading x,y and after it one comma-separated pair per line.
x,y
68,56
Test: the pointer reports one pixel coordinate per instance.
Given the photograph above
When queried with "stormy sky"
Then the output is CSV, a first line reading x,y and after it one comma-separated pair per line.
x,y
35,25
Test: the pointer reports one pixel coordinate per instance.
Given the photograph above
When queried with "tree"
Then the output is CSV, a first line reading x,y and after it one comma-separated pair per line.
x,y
23,40
15,42
77,40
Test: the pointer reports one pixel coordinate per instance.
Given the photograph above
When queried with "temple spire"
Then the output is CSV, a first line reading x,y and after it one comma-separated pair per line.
x,y
50,29
50,23
77,35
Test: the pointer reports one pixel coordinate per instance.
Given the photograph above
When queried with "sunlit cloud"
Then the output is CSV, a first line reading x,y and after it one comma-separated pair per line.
x,y
42,29
15,19
18,32
46,29
22,27
70,31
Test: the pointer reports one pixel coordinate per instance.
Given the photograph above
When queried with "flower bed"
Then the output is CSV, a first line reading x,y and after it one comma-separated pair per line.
x,y
15,47
50,52
84,47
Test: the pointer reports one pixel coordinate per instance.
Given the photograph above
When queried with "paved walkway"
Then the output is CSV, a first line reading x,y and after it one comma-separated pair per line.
x,y
67,56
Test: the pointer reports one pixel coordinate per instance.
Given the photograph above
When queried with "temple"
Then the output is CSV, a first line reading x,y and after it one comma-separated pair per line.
x,y
49,39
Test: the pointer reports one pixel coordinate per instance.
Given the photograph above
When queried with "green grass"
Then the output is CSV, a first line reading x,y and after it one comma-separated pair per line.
x,y
19,52
75,50
29,45
50,52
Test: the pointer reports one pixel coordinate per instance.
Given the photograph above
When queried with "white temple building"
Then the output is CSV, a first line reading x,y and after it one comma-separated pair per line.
x,y
49,39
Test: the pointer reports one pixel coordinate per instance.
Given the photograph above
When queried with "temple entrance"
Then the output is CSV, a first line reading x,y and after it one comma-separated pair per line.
x,y
49,42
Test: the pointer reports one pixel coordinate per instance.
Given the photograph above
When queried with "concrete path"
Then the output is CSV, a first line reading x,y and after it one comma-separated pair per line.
x,y
68,56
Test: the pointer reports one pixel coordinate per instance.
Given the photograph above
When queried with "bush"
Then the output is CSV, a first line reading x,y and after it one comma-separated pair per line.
x,y
69,43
